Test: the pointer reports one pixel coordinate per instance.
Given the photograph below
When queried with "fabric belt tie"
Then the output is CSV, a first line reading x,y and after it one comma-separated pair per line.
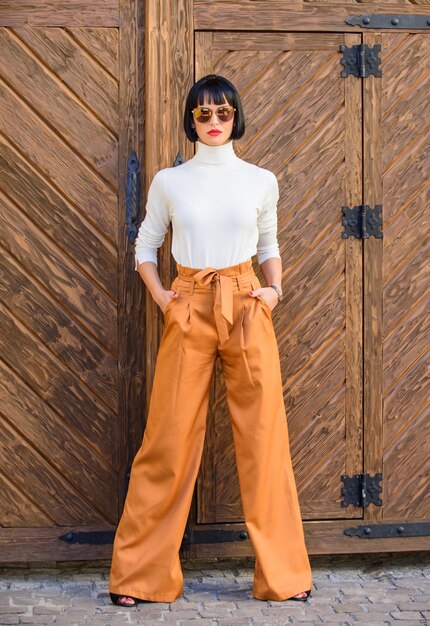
x,y
223,306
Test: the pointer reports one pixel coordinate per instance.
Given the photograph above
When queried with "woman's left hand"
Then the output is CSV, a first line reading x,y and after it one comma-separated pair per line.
x,y
268,294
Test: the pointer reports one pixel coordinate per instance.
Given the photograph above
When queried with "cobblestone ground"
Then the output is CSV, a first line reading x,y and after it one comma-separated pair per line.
x,y
370,590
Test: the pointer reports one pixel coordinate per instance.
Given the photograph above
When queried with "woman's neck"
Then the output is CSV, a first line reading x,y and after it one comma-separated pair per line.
x,y
223,153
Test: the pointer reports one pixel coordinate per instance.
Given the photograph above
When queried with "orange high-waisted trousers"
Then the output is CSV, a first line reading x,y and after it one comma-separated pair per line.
x,y
213,314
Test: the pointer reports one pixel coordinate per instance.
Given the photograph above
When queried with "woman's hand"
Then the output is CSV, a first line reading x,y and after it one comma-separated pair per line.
x,y
165,297
268,294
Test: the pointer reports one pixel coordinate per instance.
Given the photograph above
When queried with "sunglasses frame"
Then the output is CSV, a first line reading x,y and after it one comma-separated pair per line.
x,y
212,112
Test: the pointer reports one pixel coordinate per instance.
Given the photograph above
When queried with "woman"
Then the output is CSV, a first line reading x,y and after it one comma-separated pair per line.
x,y
223,211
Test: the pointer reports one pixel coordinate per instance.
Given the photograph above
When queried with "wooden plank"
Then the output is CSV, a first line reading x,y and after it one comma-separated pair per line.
x,y
39,544
49,211
406,176
278,15
19,545
59,13
46,430
102,43
55,384
324,448
312,500
46,151
321,538
399,411
32,303
38,479
70,116
356,4
325,260
313,326
275,41
407,343
353,181
128,428
71,57
270,111
407,225
409,285
314,395
372,283
89,305
406,455
17,509
168,54
406,275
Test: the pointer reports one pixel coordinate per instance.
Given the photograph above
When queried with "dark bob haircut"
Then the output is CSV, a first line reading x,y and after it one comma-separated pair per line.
x,y
214,87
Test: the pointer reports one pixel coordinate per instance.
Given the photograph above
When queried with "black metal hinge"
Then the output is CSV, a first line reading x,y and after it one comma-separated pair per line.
x,y
360,60
132,197
93,537
361,490
379,531
179,159
361,221
217,535
380,20
98,537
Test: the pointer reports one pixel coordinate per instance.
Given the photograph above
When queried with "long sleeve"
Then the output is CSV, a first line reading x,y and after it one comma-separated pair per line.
x,y
153,228
267,222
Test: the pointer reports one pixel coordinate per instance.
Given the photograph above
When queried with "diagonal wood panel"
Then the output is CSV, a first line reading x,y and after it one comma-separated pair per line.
x,y
59,131
72,54
66,170
17,509
101,44
54,382
84,300
46,429
298,124
35,306
406,275
58,106
50,210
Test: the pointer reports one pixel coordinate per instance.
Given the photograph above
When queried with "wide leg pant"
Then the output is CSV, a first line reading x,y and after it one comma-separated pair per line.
x,y
212,315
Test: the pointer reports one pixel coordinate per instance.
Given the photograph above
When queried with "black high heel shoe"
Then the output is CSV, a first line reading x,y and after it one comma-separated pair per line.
x,y
116,596
308,592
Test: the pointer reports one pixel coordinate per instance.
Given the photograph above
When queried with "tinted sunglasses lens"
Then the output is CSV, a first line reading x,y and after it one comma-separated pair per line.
x,y
224,114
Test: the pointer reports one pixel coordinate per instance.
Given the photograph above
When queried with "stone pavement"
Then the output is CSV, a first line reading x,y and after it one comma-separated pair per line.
x,y
370,590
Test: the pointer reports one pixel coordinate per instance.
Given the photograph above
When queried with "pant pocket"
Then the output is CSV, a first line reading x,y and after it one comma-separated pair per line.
x,y
265,306
168,307
173,287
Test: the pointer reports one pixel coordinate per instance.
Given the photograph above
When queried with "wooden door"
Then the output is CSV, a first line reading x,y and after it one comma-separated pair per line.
x,y
304,123
64,141
397,276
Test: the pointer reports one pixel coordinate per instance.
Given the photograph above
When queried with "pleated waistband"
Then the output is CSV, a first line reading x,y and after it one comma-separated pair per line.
x,y
223,281
192,279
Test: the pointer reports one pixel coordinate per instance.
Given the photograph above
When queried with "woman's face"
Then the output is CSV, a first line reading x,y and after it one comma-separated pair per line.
x,y
204,129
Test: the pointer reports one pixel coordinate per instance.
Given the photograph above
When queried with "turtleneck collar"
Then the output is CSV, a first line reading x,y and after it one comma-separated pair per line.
x,y
215,154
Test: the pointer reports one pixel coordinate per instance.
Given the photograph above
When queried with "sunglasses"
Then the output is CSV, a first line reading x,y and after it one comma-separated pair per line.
x,y
203,114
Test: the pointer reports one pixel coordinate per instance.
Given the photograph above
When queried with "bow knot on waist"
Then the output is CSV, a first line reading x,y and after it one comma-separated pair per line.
x,y
206,275
223,306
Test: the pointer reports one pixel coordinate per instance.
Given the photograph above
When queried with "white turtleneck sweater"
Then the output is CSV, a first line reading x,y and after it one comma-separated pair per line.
x,y
223,211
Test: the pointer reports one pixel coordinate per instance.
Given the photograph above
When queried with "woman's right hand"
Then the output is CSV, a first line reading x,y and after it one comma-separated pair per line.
x,y
166,296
